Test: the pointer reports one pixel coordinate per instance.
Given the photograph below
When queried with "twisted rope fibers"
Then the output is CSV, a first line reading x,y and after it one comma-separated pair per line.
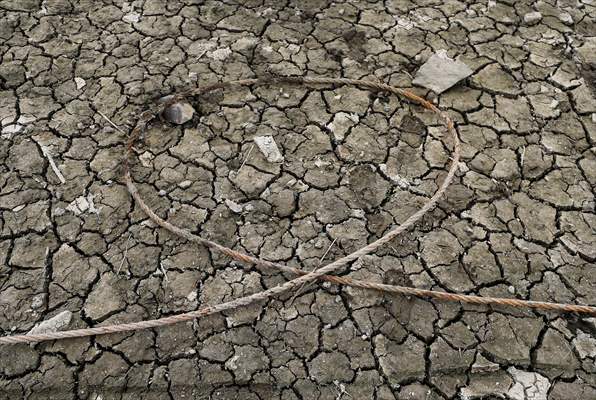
x,y
303,277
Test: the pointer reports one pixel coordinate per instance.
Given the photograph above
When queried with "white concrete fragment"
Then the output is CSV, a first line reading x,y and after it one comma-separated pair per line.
x,y
440,73
269,148
80,82
53,324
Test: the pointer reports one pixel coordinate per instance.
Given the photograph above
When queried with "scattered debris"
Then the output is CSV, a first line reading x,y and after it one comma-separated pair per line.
x,y
80,82
83,204
53,324
46,153
179,113
532,18
269,148
440,73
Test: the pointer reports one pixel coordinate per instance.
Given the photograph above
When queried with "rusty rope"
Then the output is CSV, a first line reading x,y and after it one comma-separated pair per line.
x,y
304,277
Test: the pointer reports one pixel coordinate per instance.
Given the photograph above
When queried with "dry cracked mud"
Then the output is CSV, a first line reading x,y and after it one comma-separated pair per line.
x,y
519,221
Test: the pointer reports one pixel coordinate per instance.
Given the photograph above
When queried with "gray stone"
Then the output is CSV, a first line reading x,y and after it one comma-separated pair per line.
x,y
440,73
179,113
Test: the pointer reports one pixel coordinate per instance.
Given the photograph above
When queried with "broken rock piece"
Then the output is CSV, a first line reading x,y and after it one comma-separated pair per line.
x,y
269,148
440,73
53,324
532,18
179,113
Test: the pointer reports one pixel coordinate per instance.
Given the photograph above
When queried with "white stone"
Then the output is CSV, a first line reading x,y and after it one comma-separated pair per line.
x,y
131,17
146,158
532,18
185,184
233,206
53,324
269,148
566,18
12,129
440,73
80,82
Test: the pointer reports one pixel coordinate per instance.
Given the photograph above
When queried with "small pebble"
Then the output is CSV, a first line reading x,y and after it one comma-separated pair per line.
x,y
185,184
532,18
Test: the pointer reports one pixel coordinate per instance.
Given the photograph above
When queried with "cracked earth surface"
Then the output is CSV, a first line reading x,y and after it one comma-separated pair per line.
x,y
518,221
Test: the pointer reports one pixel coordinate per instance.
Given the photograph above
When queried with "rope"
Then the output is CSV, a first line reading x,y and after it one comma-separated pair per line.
x,y
303,277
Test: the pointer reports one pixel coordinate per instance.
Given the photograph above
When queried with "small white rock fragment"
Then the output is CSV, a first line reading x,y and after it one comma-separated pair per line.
x,y
179,113
53,324
80,82
131,17
37,302
192,296
83,204
566,18
220,54
185,184
12,129
440,73
235,207
146,158
269,148
396,178
532,18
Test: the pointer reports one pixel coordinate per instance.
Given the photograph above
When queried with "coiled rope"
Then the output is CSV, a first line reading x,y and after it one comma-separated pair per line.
x,y
322,273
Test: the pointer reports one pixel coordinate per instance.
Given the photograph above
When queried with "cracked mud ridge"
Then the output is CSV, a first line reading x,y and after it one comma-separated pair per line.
x,y
301,176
